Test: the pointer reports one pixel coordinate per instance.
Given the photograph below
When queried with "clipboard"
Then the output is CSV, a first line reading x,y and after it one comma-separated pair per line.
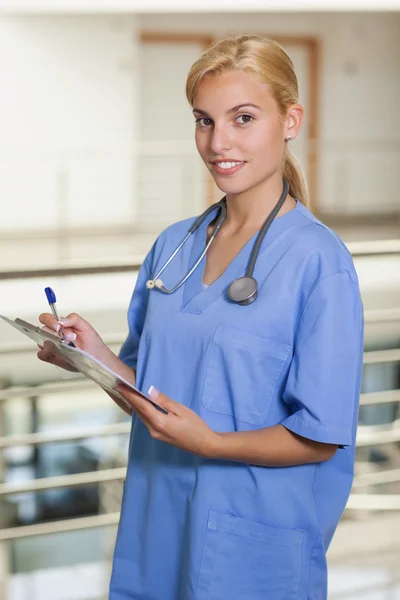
x,y
84,363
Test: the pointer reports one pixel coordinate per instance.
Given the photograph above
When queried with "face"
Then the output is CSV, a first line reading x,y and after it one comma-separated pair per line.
x,y
240,133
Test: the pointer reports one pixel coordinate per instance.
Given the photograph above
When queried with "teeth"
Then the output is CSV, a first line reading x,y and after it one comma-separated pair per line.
x,y
228,165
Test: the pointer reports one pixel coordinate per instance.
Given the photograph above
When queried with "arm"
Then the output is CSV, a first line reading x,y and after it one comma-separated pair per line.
x,y
118,366
126,372
85,337
269,447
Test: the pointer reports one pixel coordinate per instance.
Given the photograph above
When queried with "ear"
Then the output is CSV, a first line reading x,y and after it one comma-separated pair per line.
x,y
293,121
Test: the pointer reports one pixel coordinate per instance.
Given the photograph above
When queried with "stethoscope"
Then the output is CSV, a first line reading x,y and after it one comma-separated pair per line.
x,y
243,290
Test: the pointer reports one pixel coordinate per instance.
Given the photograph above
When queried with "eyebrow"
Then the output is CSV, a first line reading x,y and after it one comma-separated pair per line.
x,y
231,110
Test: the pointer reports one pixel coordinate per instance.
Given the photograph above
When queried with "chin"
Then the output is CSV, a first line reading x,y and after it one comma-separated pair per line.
x,y
232,187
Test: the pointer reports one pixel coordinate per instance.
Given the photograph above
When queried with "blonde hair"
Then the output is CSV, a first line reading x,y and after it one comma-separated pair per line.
x,y
271,63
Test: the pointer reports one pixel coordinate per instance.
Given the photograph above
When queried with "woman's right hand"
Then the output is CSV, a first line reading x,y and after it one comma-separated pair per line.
x,y
78,331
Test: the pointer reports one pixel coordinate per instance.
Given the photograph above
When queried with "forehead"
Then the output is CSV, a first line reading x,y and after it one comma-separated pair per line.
x,y
221,92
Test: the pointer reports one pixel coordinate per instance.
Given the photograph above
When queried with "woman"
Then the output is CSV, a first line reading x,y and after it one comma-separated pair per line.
x,y
237,491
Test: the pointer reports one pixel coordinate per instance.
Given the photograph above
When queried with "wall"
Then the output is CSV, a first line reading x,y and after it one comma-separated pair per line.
x,y
67,121
70,123
359,89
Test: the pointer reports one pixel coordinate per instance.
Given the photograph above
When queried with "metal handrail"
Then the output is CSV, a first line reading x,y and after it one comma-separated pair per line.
x,y
370,502
378,478
14,533
133,263
111,339
80,384
381,356
373,435
66,270
371,316
35,439
370,398
62,481
374,247
379,502
367,435
382,315
91,477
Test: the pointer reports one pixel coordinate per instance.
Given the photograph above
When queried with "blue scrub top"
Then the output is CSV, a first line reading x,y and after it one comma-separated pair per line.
x,y
194,528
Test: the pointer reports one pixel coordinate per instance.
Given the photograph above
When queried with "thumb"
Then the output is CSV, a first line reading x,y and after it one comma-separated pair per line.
x,y
163,400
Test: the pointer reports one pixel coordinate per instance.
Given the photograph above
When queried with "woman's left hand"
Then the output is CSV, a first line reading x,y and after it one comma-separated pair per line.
x,y
181,427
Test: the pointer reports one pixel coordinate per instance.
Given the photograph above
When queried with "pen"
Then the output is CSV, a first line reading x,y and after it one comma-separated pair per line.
x,y
51,298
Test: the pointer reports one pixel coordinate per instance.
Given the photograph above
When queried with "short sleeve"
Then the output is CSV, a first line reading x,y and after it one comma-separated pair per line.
x,y
136,316
323,384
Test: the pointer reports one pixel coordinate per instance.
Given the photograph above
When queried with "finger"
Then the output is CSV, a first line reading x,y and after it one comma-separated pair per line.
x,y
153,418
75,322
163,401
45,351
122,390
133,398
123,405
156,428
146,422
50,322
48,357
70,334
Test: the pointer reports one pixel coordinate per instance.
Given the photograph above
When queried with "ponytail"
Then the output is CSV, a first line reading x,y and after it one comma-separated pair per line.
x,y
293,173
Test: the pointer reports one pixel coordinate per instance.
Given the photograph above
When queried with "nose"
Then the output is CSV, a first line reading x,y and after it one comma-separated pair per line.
x,y
220,141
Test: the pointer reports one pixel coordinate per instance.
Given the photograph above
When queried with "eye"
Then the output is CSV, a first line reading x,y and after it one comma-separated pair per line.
x,y
203,122
245,119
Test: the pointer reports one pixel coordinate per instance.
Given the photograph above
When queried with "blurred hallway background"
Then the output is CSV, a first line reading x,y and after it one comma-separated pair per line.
x,y
96,158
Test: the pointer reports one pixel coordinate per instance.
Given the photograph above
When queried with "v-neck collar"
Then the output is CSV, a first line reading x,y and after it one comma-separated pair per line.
x,y
196,298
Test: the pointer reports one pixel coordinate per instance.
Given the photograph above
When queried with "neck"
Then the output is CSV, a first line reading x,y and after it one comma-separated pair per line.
x,y
249,209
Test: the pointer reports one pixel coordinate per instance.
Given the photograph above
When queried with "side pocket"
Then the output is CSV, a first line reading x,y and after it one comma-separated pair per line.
x,y
244,560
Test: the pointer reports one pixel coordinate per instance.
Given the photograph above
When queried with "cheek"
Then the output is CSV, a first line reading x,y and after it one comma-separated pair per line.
x,y
265,142
201,143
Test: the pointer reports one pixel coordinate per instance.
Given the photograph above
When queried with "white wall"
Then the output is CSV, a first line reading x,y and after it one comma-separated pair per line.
x,y
70,97
359,87
67,120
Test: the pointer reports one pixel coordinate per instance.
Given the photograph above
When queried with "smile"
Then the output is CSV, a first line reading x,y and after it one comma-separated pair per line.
x,y
227,167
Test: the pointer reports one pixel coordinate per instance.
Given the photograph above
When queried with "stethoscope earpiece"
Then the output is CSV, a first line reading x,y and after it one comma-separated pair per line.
x,y
243,291
152,283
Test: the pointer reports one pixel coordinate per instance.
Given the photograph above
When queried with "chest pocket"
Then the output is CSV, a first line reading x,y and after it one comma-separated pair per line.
x,y
242,374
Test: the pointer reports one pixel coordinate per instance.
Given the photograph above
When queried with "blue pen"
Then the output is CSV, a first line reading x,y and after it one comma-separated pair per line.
x,y
51,298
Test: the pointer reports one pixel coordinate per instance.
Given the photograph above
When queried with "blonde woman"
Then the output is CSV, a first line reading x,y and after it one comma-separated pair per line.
x,y
235,493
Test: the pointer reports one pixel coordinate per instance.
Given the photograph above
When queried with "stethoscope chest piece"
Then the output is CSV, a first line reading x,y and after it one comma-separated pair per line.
x,y
243,291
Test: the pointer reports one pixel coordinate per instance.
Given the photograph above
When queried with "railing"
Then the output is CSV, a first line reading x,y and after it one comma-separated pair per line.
x,y
156,182
74,268
368,436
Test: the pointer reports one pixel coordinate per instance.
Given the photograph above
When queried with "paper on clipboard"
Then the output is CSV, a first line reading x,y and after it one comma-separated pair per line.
x,y
82,361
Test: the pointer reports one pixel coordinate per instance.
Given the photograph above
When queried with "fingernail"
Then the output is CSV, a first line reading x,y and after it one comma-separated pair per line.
x,y
57,327
71,336
153,392
63,321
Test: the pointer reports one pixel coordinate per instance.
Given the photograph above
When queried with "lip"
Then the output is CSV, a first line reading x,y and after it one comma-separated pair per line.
x,y
231,171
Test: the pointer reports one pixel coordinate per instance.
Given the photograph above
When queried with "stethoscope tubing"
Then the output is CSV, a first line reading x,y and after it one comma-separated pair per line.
x,y
248,277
